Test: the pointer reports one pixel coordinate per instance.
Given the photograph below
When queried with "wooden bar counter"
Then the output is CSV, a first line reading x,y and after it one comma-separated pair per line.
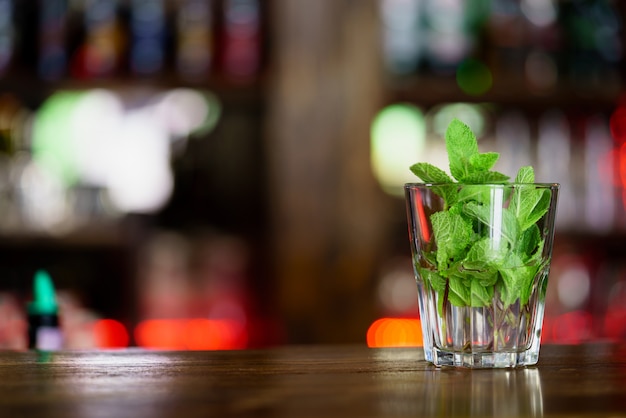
x,y
308,381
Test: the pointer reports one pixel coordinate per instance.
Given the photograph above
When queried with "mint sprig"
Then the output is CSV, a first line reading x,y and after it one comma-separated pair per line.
x,y
477,257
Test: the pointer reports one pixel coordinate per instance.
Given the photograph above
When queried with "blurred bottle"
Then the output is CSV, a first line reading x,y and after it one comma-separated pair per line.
x,y
506,37
402,40
512,133
148,29
241,39
599,190
554,159
595,42
7,36
452,31
104,38
52,30
195,47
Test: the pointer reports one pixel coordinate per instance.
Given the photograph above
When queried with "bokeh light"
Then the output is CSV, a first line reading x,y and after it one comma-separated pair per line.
x,y
618,124
395,332
52,141
121,144
471,114
397,138
110,333
474,77
191,334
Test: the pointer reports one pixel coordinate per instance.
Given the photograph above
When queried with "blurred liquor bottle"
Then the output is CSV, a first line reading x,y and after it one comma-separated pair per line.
x,y
594,33
148,32
7,35
52,39
241,39
401,35
195,38
105,39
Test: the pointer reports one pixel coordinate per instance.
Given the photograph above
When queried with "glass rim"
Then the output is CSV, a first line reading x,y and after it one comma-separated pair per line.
x,y
491,185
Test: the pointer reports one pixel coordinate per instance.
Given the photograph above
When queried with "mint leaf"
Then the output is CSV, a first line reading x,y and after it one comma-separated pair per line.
x,y
528,243
459,293
506,227
430,174
483,162
482,177
525,174
480,295
452,235
461,145
434,280
484,255
517,284
529,204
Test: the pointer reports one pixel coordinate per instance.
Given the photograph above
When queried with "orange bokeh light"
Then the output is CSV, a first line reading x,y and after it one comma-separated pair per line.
x,y
395,332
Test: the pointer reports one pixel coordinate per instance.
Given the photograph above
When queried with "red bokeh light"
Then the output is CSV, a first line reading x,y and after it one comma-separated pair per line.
x,y
110,333
618,124
191,334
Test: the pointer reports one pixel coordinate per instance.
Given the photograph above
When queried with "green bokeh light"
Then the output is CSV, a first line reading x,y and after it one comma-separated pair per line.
x,y
471,114
398,134
52,143
474,77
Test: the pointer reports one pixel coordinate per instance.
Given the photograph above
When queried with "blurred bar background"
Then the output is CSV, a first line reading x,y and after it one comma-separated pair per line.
x,y
227,174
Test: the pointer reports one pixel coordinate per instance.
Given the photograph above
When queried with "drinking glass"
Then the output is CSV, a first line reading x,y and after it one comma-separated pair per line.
x,y
481,256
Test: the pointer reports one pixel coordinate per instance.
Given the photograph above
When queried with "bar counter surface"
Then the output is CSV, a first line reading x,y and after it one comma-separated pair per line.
x,y
308,381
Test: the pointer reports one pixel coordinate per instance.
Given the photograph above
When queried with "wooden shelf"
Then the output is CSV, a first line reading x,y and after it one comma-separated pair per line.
x,y
433,90
34,89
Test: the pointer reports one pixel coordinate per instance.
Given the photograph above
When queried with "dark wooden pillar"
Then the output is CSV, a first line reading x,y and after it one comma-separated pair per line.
x,y
329,222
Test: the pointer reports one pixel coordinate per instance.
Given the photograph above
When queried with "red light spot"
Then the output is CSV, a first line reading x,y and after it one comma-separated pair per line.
x,y
618,124
572,327
110,333
163,334
191,334
395,332
615,324
212,334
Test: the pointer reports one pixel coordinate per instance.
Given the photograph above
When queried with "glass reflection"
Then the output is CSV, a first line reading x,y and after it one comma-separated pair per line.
x,y
481,393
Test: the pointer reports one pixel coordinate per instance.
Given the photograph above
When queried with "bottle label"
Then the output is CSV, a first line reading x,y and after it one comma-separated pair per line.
x,y
49,338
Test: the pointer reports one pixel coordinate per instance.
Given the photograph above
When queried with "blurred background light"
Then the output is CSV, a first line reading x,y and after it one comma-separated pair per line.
x,y
110,333
573,285
471,114
397,139
190,334
540,12
395,332
118,143
541,70
474,77
401,34
618,124
52,142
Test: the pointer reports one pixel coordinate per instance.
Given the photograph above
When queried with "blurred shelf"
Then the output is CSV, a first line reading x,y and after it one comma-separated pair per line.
x,y
434,90
33,89
95,236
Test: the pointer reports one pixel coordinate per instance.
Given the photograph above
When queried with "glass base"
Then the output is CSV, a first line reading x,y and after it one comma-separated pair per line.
x,y
482,360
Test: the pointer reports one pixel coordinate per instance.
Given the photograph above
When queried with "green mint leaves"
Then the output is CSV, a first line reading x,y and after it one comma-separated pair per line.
x,y
487,238
467,165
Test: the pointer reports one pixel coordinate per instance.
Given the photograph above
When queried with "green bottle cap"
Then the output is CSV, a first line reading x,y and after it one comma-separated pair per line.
x,y
44,299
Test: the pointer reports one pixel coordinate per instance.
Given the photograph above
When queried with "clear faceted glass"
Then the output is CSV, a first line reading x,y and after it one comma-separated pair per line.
x,y
481,255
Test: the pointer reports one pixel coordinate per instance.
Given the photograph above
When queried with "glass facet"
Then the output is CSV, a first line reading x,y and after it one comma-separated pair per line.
x,y
481,256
